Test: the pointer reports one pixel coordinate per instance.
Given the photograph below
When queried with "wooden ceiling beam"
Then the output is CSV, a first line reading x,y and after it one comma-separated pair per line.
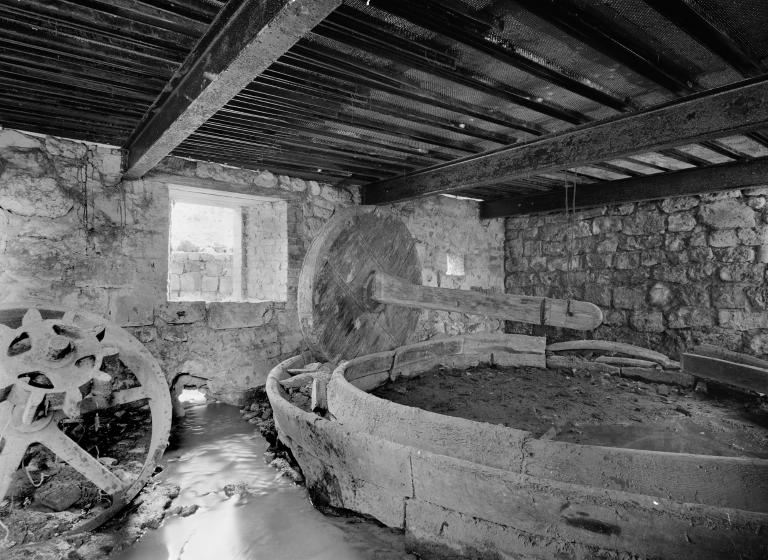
x,y
740,107
689,20
476,32
601,30
739,174
246,37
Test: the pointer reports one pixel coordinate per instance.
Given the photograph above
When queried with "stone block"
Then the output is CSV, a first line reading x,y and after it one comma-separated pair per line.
x,y
660,295
676,274
181,312
192,265
753,236
692,295
690,317
623,209
679,204
10,138
210,283
727,214
231,315
626,261
606,224
647,321
723,238
615,318
131,310
187,283
597,261
628,298
225,286
598,294
28,195
728,295
652,258
721,195
698,272
741,320
681,221
608,245
756,191
758,344
757,296
757,202
644,224
532,248
735,254
752,273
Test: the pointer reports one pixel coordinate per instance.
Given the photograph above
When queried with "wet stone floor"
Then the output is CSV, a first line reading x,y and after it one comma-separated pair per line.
x,y
236,507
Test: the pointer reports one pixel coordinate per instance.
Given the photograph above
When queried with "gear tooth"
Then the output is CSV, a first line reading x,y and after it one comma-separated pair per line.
x,y
110,350
102,376
31,316
72,403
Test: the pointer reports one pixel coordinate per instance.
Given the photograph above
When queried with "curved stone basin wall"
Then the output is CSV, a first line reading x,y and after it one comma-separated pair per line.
x,y
469,488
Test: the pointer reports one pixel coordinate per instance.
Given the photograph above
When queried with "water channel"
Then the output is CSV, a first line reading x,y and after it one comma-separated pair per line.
x,y
247,510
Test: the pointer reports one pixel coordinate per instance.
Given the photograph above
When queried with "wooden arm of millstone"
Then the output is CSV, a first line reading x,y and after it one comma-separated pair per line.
x,y
570,314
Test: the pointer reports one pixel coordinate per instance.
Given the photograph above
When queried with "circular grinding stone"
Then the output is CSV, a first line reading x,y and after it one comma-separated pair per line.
x,y
337,319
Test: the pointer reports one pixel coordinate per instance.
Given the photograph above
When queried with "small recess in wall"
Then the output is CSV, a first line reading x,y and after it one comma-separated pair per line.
x,y
454,265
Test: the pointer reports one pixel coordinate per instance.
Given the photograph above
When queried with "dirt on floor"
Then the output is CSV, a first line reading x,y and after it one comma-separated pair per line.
x,y
595,409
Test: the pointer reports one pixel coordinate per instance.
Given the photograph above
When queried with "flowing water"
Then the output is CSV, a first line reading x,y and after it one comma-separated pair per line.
x,y
247,510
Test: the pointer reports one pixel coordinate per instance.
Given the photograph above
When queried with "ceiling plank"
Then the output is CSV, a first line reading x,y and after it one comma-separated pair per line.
x,y
477,32
736,108
602,30
241,43
688,19
650,187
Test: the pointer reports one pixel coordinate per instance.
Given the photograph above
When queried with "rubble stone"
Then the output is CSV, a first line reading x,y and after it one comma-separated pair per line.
x,y
727,214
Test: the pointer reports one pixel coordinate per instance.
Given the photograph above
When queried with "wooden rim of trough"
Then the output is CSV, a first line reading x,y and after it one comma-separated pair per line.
x,y
509,508
730,482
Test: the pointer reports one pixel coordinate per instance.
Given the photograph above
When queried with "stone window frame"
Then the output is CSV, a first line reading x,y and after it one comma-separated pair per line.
x,y
178,192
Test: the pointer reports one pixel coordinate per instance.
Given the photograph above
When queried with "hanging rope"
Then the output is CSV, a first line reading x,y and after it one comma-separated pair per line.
x,y
570,216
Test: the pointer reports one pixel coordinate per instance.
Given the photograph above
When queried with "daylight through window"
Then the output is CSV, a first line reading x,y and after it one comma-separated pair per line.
x,y
226,247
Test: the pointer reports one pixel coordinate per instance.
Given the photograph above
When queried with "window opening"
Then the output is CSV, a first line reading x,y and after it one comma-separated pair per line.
x,y
454,265
226,246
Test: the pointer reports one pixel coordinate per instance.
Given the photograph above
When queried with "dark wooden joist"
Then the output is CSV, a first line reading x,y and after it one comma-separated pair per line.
x,y
341,104
361,39
477,31
327,63
733,109
651,187
692,22
246,37
598,28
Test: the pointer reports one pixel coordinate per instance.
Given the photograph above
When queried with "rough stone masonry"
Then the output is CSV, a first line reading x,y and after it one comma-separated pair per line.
x,y
668,274
73,235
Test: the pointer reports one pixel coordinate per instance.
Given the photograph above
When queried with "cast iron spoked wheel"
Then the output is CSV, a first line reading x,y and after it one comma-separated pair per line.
x,y
51,373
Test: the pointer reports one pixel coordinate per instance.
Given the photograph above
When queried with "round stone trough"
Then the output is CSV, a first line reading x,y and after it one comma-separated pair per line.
x,y
461,488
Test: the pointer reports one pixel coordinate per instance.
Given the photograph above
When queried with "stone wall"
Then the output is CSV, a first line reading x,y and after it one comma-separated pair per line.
x,y
668,275
72,235
195,275
266,251
443,225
